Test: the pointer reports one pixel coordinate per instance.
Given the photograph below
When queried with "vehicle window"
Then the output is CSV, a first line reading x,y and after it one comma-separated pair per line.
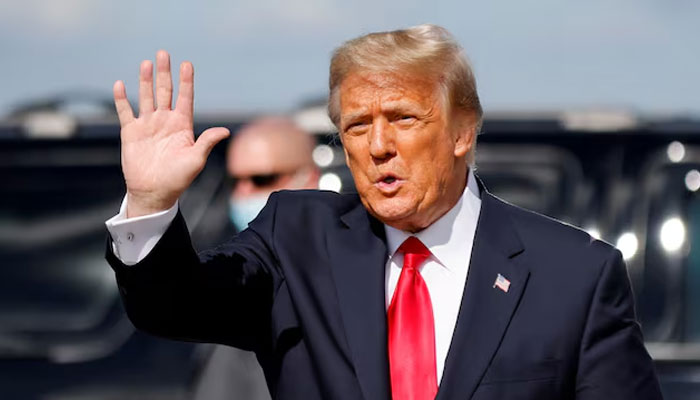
x,y
545,179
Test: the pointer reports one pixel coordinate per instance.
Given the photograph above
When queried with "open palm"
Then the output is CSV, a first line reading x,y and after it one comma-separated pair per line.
x,y
159,154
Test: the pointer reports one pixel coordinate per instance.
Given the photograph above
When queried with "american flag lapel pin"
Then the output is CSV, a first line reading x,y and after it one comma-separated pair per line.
x,y
502,283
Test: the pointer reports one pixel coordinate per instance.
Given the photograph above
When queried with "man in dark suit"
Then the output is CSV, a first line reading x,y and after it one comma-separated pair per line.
x,y
423,285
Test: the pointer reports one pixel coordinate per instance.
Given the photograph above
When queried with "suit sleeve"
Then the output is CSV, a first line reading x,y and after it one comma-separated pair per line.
x,y
222,295
614,363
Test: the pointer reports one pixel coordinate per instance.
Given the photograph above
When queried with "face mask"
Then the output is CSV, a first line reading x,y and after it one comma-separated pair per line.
x,y
241,212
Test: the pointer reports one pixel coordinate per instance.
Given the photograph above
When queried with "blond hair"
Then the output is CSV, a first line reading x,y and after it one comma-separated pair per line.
x,y
427,50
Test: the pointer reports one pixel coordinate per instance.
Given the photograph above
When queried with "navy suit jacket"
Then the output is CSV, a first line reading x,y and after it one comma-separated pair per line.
x,y
303,287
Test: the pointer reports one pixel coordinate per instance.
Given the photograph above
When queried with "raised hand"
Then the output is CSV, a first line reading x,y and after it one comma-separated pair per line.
x,y
160,157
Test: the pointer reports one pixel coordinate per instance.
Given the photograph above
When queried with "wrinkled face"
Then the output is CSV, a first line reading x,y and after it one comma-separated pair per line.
x,y
406,155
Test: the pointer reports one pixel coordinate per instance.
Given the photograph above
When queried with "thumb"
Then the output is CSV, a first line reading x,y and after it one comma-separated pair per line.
x,y
209,138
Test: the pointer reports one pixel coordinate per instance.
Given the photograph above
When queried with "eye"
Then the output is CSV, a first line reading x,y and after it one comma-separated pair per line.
x,y
405,118
355,127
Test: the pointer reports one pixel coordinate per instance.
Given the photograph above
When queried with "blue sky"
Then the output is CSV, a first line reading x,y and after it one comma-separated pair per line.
x,y
269,55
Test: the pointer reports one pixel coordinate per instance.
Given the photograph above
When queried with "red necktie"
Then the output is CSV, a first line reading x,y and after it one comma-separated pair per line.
x,y
412,330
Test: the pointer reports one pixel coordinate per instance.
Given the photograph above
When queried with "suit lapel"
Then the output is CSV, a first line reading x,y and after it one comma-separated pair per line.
x,y
485,311
358,256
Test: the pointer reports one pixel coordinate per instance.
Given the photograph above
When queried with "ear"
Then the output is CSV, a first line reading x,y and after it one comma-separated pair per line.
x,y
465,134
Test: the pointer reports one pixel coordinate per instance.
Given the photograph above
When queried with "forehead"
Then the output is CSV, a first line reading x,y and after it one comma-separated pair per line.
x,y
259,154
360,90
251,155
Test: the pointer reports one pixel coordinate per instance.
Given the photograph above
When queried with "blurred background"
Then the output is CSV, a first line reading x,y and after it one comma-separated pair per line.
x,y
592,117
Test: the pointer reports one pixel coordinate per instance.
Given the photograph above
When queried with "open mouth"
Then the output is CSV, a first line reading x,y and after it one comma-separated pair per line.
x,y
388,183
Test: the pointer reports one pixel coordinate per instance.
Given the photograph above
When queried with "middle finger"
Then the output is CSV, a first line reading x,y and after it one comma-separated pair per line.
x,y
164,82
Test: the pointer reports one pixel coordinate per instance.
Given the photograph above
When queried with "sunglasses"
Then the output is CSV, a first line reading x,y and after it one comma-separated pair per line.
x,y
258,180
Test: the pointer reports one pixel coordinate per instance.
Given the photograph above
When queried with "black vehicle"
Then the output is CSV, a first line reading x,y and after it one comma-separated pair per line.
x,y
63,331
64,334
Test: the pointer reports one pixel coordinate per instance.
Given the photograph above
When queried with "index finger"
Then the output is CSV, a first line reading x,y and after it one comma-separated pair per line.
x,y
124,111
145,88
185,95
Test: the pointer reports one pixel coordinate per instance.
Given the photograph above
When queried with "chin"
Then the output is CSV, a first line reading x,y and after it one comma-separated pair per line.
x,y
393,211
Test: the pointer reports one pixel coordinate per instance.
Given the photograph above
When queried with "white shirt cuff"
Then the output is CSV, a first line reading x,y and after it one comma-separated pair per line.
x,y
134,238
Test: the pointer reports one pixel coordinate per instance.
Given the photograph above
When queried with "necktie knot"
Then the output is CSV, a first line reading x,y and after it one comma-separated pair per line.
x,y
414,252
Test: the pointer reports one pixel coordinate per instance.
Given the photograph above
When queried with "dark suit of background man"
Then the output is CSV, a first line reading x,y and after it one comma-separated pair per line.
x,y
423,285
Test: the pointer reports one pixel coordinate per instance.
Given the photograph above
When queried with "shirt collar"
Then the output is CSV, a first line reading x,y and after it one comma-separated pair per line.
x,y
446,236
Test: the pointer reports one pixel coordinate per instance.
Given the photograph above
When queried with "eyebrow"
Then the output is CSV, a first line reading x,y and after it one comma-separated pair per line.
x,y
399,105
354,115
387,106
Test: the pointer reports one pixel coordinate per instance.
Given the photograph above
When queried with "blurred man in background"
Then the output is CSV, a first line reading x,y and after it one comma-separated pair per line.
x,y
269,154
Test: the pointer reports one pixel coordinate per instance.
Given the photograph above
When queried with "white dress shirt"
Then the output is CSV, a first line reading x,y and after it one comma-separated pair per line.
x,y
449,239
134,238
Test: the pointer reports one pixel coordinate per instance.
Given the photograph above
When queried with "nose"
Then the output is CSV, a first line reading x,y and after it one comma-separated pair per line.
x,y
381,138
